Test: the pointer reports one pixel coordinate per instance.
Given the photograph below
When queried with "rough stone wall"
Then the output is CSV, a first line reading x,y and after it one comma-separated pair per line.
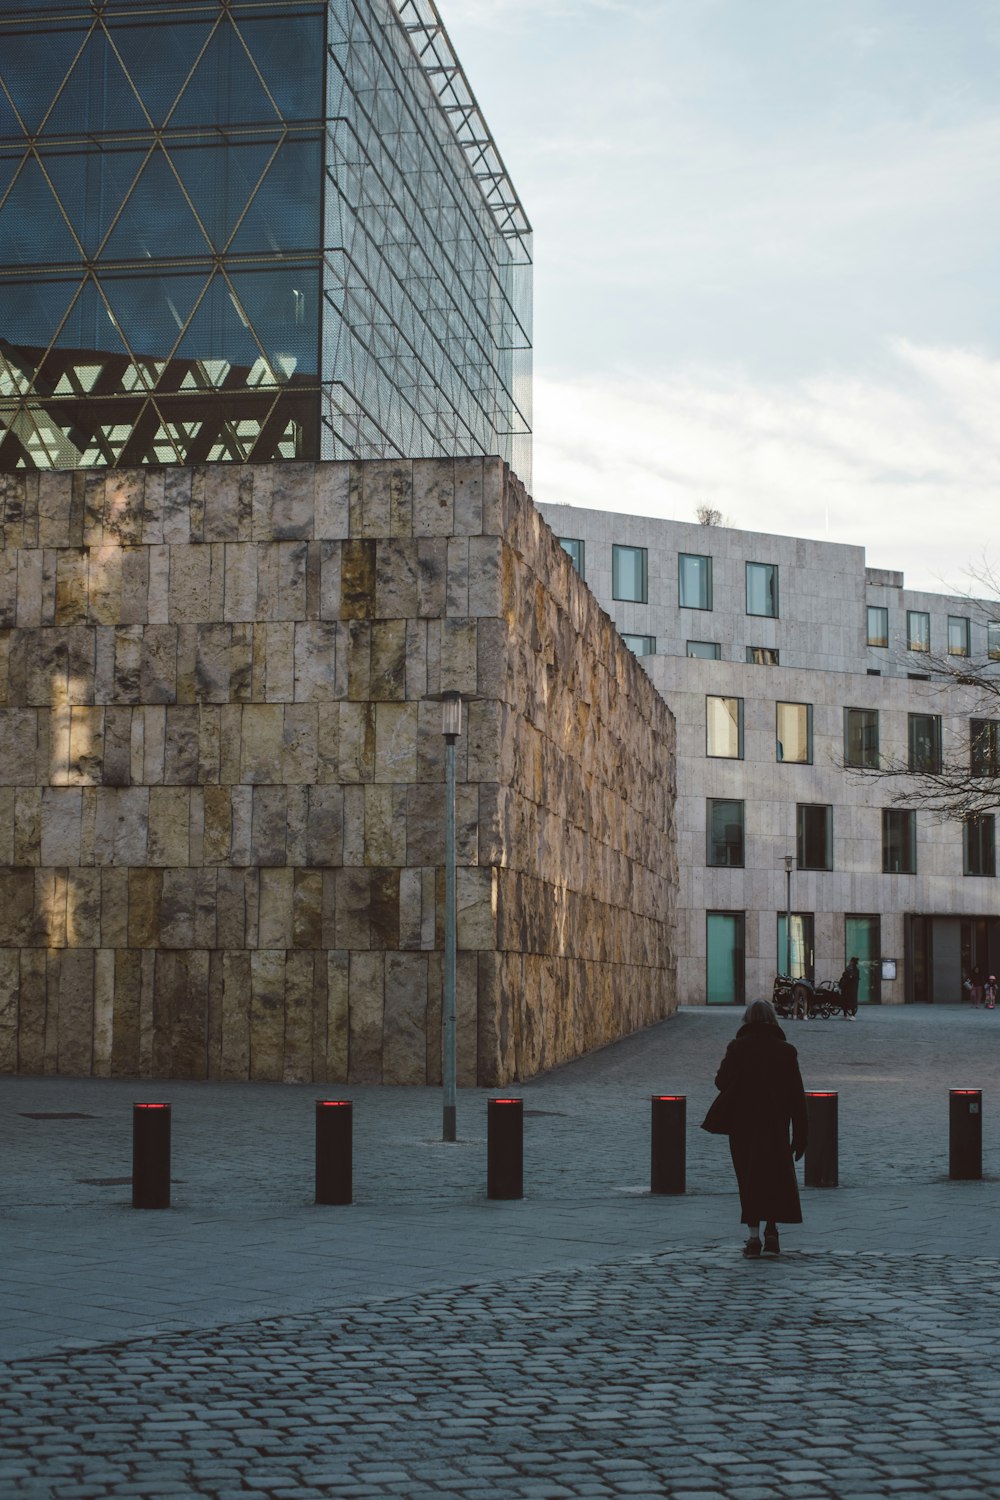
x,y
221,801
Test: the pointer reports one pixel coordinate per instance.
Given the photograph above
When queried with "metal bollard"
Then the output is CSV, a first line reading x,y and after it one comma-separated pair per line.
x,y
668,1143
150,1155
965,1134
334,1151
821,1150
504,1148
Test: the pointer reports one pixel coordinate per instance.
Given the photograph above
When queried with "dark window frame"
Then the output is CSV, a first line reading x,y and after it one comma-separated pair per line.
x,y
916,762
567,543
762,656
779,749
904,833
966,648
984,747
701,557
805,835
619,547
880,640
713,842
979,845
648,650
724,698
771,588
868,758
703,655
912,643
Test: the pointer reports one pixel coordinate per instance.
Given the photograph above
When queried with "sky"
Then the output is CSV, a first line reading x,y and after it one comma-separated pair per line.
x,y
766,270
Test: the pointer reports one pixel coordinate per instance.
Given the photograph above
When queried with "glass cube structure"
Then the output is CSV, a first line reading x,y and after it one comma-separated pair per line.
x,y
252,230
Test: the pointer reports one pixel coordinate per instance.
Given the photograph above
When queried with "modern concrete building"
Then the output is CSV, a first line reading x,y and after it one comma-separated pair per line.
x,y
245,230
790,667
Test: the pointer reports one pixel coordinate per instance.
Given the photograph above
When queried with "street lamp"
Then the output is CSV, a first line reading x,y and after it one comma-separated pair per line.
x,y
451,728
789,861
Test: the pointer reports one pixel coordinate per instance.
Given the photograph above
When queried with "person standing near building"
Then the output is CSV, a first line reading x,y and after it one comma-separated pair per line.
x,y
990,992
761,1098
849,982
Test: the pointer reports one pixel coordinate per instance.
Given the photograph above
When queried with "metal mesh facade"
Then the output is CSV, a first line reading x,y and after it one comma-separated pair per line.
x,y
254,230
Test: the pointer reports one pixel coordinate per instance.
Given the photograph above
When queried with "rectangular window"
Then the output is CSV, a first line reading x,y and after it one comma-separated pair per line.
x,y
814,836
724,725
641,645
980,850
899,841
924,742
694,581
795,945
762,656
705,650
574,546
762,589
918,630
984,747
993,640
958,635
794,730
863,941
878,625
628,573
724,960
725,833
861,737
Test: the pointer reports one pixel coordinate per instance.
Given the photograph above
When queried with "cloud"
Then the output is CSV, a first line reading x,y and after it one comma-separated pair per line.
x,y
903,461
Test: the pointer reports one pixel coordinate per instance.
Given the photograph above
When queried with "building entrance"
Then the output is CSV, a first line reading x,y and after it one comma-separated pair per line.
x,y
943,950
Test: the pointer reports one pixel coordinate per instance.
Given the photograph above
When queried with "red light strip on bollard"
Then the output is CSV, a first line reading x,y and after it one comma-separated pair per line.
x,y
672,1097
506,1101
333,1103
821,1093
966,1091
151,1106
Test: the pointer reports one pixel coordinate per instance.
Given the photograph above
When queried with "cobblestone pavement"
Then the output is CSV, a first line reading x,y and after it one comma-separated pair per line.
x,y
587,1341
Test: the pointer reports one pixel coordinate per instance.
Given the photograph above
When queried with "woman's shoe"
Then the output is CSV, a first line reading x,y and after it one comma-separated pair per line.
x,y
771,1244
752,1248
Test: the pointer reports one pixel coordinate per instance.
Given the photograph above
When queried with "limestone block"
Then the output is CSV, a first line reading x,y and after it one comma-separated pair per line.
x,y
329,580
416,685
75,1011
307,909
8,587
466,1018
384,910
298,1039
279,661
468,496
432,576
357,579
147,1004
18,743
31,1011
493,496
209,744
267,1018
388,660
367,1006
123,1057
396,573
236,1010
182,986
459,656
29,588
410,908
396,727
354,648
300,761
83,908
492,655
158,585
292,500
8,803
17,902
104,584
181,748
60,825
176,512
214,1015
117,766
275,921
484,575
385,830
404,1055
241,581
135,585
476,897
433,497
332,515
72,572
219,491
338,1014
176,925
315,661
230,910
457,587
269,825
357,741
123,506
328,742
281,580
354,825
242,825
352,908
54,505
213,663
158,674
325,830
263,743
376,479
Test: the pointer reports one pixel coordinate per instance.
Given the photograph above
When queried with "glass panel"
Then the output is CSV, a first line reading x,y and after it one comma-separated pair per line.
x,y
156,214
641,645
762,589
724,969
725,833
706,650
628,573
762,656
878,625
91,186
225,88
695,581
33,65
984,747
796,960
724,718
289,54
90,326
283,307
97,96
152,310
284,215
574,546
861,737
220,181
794,733
899,841
993,640
158,59
980,845
33,230
30,313
918,630
814,836
863,941
958,636
925,742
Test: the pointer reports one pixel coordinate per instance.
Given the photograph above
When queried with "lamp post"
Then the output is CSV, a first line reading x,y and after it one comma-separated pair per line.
x,y
451,728
789,861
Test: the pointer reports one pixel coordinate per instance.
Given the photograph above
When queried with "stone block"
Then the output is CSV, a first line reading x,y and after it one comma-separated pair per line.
x,y
307,909
338,1015
357,579
366,1013
388,660
325,830
293,488
237,981
354,649
332,516
169,820
145,887
300,761
315,661
404,1052
262,743
476,896
10,975
433,497
275,922
75,1010
267,1014
298,1002
396,575
268,836
125,1015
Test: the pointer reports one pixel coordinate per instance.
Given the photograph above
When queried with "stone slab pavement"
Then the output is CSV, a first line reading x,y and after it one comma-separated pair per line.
x,y
588,1340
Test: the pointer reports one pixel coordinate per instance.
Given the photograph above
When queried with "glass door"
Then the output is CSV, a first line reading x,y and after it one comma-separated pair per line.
x,y
801,952
725,966
863,941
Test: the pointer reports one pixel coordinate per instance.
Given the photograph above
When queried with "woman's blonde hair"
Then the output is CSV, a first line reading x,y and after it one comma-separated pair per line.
x,y
760,1013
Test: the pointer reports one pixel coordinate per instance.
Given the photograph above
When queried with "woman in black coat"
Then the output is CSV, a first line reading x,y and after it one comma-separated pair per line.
x,y
762,1098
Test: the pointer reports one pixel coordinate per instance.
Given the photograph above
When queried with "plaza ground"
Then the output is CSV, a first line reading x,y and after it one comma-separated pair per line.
x,y
589,1340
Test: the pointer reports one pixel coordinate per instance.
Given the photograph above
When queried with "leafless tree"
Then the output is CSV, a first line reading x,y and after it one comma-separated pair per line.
x,y
710,515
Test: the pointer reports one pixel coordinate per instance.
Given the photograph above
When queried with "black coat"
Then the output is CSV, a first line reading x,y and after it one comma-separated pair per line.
x,y
765,1099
